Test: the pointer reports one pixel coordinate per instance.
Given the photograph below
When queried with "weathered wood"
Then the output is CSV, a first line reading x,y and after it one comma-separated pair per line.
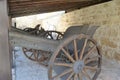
x,y
28,7
40,8
49,0
20,38
5,56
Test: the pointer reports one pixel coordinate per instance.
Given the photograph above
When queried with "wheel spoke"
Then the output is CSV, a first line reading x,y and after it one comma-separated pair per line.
x,y
69,77
50,74
63,64
92,59
75,77
91,68
35,55
24,49
68,55
80,76
62,74
50,34
31,50
83,49
86,74
75,50
38,54
90,51
31,55
57,37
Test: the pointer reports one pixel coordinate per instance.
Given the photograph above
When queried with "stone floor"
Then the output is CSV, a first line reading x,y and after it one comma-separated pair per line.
x,y
25,69
110,70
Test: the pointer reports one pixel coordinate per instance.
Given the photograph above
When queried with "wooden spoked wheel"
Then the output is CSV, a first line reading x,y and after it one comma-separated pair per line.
x,y
36,55
54,35
40,55
77,58
32,54
28,53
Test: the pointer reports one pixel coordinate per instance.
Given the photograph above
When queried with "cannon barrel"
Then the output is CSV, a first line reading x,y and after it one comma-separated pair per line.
x,y
23,39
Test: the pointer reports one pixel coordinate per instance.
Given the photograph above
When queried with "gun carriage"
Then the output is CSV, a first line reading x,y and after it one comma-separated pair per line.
x,y
74,55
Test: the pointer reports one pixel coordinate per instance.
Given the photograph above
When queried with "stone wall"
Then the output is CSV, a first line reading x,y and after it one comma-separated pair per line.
x,y
105,15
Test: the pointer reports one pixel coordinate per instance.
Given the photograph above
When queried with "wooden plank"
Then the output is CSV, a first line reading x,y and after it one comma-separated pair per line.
x,y
37,7
34,10
5,67
19,4
50,0
43,6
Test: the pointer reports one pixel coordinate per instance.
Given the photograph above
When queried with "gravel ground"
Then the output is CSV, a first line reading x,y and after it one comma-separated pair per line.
x,y
25,69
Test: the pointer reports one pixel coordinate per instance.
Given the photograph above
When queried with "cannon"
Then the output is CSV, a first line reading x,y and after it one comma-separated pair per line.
x,y
75,56
39,55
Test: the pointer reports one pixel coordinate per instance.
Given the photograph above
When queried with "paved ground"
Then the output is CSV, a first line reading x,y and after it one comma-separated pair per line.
x,y
110,70
28,70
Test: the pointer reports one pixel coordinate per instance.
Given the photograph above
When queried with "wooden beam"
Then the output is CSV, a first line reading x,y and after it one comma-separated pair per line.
x,y
34,10
32,3
47,1
43,6
5,64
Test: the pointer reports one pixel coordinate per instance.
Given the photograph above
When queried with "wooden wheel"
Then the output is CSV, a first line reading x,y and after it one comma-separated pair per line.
x,y
81,60
40,55
37,55
55,35
30,54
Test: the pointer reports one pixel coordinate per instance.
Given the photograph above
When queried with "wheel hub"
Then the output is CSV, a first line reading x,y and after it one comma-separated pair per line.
x,y
78,66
